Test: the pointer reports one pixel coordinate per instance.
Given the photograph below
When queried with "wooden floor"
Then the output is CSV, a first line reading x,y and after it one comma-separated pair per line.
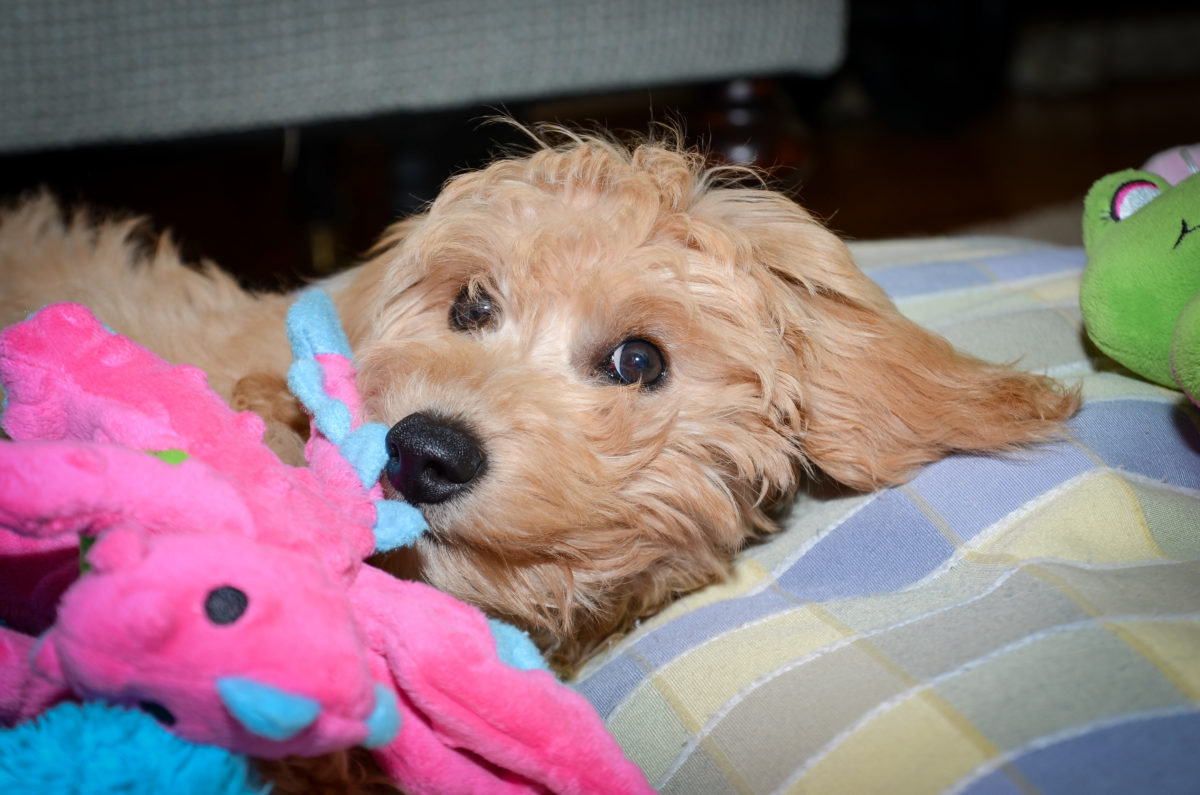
x,y
250,204
1024,154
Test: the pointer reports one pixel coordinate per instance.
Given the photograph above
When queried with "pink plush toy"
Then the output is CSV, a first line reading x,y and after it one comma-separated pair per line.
x,y
221,523
226,592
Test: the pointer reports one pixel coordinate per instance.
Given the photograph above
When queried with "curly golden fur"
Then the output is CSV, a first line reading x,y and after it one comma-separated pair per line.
x,y
601,501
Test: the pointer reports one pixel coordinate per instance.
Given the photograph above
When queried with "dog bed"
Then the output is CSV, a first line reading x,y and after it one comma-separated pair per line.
x,y
997,625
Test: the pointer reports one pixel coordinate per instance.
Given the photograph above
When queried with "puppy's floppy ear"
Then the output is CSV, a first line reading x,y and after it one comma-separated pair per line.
x,y
877,395
362,293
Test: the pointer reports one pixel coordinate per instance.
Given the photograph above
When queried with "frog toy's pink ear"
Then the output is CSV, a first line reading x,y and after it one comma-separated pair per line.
x,y
343,450
1175,164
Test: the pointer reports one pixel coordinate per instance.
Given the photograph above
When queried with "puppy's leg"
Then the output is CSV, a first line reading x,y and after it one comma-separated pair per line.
x,y
267,395
139,286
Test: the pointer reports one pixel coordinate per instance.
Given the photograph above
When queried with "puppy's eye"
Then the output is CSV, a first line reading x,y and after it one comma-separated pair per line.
x,y
473,311
636,361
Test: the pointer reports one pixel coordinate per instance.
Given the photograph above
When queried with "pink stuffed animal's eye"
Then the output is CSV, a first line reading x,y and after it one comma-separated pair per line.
x,y
225,605
1131,197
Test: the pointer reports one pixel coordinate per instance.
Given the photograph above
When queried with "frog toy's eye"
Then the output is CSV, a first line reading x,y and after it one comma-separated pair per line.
x,y
1132,196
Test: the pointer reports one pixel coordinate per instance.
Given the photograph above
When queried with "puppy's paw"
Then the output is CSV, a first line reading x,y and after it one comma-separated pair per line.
x,y
267,395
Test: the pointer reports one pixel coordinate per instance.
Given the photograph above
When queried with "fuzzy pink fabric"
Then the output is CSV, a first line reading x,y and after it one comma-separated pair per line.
x,y
460,703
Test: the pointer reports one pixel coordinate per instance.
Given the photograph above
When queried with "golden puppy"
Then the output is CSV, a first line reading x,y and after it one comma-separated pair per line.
x,y
604,367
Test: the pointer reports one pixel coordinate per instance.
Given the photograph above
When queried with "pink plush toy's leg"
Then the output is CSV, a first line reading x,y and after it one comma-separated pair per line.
x,y
49,489
69,377
23,693
519,729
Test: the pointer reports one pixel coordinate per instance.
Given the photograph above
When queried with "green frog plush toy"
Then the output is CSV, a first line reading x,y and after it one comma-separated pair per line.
x,y
1140,295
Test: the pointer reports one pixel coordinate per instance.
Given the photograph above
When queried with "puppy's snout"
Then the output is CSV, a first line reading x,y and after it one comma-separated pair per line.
x,y
431,460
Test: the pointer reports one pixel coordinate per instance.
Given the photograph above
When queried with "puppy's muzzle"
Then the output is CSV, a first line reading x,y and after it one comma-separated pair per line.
x,y
431,460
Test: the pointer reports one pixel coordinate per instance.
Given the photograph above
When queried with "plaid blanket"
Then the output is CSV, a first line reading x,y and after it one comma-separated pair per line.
x,y
1020,624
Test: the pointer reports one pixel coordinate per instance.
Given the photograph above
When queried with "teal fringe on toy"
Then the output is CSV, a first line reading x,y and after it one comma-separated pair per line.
x,y
93,748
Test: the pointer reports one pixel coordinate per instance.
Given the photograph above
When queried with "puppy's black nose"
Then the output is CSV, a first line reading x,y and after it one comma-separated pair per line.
x,y
431,460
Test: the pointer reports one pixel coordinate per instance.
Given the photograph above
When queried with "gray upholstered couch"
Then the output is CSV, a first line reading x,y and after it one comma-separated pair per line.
x,y
76,71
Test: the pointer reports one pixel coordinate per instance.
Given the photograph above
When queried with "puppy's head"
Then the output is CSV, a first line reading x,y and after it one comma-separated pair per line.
x,y
605,366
